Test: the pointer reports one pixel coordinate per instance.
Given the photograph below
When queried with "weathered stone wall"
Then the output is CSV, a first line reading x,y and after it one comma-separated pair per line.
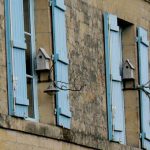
x,y
12,140
136,12
3,77
85,42
86,55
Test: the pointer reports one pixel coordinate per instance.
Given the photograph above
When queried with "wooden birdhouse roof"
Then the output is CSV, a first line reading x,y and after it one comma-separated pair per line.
x,y
42,50
129,64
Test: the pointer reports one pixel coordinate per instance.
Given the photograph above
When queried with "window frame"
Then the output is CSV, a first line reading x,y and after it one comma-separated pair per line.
x,y
9,59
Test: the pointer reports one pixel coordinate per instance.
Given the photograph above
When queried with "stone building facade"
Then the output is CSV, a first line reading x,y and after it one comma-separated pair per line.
x,y
89,123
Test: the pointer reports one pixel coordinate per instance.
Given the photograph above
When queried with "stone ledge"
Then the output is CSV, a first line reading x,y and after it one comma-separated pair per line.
x,y
58,133
147,1
48,131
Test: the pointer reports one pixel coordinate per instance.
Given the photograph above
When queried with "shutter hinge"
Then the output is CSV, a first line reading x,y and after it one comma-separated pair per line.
x,y
137,39
25,116
50,2
15,83
35,63
52,56
120,141
113,111
14,105
55,111
110,76
11,43
142,135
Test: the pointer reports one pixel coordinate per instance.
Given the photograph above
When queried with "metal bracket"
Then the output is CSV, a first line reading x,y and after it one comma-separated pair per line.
x,y
140,135
15,83
52,56
14,104
137,39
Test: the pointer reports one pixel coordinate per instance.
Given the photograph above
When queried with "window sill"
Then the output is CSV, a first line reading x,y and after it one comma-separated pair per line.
x,y
49,131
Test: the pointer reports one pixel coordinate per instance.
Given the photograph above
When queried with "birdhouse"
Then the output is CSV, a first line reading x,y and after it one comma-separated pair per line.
x,y
42,60
128,70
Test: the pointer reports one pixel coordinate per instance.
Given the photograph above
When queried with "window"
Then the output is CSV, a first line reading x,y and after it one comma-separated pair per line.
x,y
143,53
115,98
20,60
123,102
22,85
30,54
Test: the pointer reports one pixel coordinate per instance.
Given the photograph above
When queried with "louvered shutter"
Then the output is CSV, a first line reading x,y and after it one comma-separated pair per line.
x,y
61,63
113,58
143,53
20,104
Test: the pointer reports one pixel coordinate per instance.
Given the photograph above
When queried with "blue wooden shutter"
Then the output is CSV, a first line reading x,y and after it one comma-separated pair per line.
x,y
113,58
143,46
20,101
61,63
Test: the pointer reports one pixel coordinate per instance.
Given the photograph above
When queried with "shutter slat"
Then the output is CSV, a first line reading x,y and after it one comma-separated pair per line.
x,y
113,23
147,136
20,45
60,4
61,59
20,101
